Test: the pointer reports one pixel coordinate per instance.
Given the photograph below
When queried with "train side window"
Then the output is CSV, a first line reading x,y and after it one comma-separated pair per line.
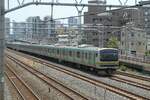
x,y
89,55
63,52
57,51
78,54
82,55
47,50
70,53
53,50
85,55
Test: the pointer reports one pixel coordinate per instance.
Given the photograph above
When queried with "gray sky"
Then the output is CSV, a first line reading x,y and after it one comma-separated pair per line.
x,y
59,11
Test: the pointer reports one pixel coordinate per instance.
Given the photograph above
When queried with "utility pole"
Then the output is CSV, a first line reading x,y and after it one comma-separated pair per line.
x,y
52,9
80,35
2,28
52,34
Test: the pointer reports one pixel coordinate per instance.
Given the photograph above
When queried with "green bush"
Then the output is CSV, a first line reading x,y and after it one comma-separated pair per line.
x,y
147,53
123,68
113,42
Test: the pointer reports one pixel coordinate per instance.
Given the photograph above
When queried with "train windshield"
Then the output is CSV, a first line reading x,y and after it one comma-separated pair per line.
x,y
108,55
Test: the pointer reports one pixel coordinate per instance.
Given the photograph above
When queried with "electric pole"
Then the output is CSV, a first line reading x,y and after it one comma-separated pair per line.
x,y
2,28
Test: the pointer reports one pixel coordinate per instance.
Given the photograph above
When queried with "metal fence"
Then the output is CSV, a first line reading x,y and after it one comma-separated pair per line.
x,y
144,59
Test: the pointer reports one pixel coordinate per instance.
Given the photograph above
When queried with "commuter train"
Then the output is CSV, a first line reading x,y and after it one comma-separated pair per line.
x,y
97,59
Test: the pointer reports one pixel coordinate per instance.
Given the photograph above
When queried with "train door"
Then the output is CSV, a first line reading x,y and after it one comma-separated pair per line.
x,y
61,53
70,55
78,56
81,57
48,52
73,55
97,58
90,57
86,57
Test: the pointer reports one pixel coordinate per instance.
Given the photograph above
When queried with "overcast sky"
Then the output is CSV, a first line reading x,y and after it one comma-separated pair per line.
x,y
59,11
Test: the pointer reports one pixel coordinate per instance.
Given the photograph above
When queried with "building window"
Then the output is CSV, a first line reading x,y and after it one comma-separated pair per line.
x,y
122,33
139,35
108,32
100,19
146,13
122,43
132,34
146,19
132,43
133,52
139,43
146,25
95,20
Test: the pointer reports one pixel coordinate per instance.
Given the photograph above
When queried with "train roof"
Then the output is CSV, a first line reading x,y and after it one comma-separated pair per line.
x,y
90,48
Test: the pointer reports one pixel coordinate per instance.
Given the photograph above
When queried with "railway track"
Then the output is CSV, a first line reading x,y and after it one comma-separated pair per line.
x,y
21,87
144,78
132,79
117,90
131,82
68,92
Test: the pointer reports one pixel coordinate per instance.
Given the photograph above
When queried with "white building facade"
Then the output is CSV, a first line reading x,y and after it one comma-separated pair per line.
x,y
7,28
133,41
19,30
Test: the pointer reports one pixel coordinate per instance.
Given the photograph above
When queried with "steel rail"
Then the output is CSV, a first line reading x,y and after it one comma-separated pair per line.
x,y
14,86
97,82
50,78
22,82
94,81
144,78
130,82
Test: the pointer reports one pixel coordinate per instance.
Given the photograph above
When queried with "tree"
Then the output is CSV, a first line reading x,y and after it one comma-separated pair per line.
x,y
147,53
113,42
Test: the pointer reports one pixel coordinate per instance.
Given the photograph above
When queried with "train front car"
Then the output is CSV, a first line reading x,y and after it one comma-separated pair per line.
x,y
108,60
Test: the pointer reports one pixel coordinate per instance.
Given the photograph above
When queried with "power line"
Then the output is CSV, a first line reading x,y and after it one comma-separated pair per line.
x,y
90,14
59,4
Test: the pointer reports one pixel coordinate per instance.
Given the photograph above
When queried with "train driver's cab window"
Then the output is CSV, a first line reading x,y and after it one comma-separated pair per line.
x,y
96,54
